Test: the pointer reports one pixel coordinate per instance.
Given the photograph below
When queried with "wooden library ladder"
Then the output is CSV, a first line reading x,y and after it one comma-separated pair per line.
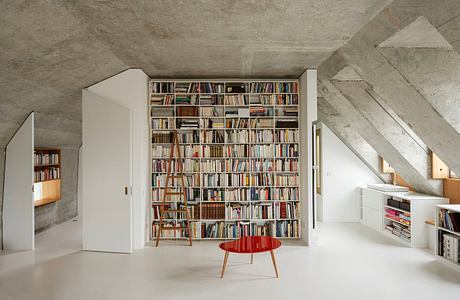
x,y
169,192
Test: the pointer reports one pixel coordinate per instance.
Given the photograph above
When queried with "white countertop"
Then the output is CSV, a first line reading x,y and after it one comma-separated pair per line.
x,y
411,196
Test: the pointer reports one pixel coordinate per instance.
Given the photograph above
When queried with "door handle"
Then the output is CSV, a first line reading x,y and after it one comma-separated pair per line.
x,y
126,190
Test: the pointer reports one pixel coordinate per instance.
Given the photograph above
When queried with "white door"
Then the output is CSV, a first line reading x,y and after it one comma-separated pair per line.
x,y
106,175
18,203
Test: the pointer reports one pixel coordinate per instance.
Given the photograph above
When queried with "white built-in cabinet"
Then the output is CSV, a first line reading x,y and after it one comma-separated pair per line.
x,y
375,207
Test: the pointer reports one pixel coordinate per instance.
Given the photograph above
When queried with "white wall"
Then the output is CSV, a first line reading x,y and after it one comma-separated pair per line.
x,y
130,89
18,201
307,115
342,173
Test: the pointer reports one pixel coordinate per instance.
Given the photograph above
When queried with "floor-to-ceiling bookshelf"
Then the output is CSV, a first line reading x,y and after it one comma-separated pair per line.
x,y
240,149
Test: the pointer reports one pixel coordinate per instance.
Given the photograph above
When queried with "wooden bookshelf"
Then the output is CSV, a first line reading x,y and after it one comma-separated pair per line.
x,y
240,141
47,175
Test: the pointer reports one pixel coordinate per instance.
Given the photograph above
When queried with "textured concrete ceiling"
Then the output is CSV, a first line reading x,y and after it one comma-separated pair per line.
x,y
50,50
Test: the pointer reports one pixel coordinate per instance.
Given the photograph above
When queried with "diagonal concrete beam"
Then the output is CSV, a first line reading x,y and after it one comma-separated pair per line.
x,y
413,108
374,137
343,130
357,94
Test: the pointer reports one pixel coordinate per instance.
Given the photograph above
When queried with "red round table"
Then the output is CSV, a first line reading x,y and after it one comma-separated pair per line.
x,y
250,244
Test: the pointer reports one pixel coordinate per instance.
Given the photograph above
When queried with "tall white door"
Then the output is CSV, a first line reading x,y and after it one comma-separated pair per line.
x,y
106,175
18,203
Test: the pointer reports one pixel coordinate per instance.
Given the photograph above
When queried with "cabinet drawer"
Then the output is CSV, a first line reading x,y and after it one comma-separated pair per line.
x,y
372,218
372,199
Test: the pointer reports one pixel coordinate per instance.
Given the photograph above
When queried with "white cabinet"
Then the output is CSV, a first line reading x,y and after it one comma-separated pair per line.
x,y
379,213
371,207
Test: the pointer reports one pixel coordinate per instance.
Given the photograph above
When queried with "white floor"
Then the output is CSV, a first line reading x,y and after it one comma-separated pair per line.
x,y
351,262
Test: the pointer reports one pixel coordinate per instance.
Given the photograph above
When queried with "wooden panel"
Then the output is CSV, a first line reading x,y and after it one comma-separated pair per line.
x,y
50,192
452,190
439,169
385,166
398,180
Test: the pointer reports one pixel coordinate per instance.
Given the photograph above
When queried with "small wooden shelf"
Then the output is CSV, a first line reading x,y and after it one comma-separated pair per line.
x,y
47,161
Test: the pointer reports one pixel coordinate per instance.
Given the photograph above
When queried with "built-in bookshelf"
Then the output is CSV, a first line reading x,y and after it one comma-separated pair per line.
x,y
47,175
448,234
239,142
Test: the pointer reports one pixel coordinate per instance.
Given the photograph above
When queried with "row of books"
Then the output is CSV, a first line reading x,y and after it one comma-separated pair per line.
x,y
187,123
161,87
160,124
215,180
221,87
286,180
287,150
188,165
402,217
228,165
211,99
211,112
161,138
262,87
47,174
212,136
212,211
231,230
449,220
163,151
236,211
212,151
233,136
260,111
237,136
261,150
286,87
399,230
230,100
187,87
262,99
242,179
212,123
190,180
232,194
158,112
213,165
41,159
275,210
236,100
449,246
161,99
287,112
193,211
236,151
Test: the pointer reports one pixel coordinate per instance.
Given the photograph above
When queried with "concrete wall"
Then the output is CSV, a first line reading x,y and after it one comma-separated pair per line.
x,y
54,213
343,172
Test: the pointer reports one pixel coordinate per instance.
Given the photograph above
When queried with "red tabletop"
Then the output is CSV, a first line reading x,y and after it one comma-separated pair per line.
x,y
251,244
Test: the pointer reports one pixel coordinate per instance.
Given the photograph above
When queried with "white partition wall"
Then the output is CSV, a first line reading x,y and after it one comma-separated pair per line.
x,y
107,173
129,88
18,205
307,114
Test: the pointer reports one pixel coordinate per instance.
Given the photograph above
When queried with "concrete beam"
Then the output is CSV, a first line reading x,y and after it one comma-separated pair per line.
x,y
387,81
343,130
375,138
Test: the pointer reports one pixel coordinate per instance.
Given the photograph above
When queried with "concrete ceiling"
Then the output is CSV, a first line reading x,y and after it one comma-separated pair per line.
x,y
50,50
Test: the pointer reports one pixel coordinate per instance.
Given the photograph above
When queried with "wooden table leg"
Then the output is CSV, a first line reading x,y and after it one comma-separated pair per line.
x,y
274,262
224,265
252,258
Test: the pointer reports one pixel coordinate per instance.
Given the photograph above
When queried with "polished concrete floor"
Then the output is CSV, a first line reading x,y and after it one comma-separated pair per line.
x,y
350,262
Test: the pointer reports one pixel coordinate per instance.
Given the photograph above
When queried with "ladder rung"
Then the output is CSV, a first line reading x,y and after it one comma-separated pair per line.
x,y
174,210
174,193
174,228
176,176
